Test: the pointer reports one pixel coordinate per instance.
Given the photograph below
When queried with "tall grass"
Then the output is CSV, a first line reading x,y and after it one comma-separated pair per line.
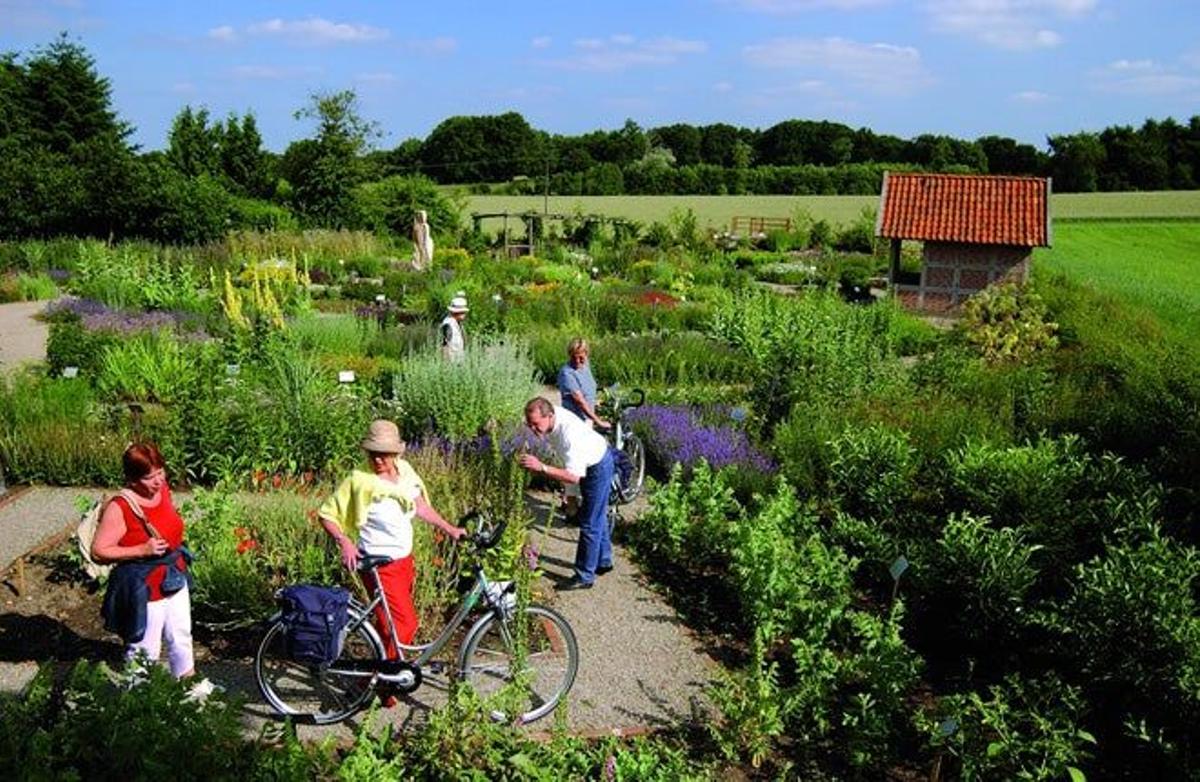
x,y
327,334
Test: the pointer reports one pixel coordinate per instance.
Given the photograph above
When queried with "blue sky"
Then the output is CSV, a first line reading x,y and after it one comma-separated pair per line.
x,y
1021,68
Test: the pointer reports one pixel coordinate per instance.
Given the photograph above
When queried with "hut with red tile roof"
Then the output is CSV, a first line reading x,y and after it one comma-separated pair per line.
x,y
976,230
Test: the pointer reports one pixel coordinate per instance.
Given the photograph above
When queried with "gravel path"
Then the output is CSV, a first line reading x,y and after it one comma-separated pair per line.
x,y
640,667
21,337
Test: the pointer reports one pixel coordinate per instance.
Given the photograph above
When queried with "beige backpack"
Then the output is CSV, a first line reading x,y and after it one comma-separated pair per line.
x,y
85,533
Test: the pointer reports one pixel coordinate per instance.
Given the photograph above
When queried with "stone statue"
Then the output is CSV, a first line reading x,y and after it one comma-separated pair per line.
x,y
422,238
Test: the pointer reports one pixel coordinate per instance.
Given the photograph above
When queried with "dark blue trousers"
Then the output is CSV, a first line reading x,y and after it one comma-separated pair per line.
x,y
595,545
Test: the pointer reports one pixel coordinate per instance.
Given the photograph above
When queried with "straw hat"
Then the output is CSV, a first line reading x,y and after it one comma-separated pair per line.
x,y
383,437
458,303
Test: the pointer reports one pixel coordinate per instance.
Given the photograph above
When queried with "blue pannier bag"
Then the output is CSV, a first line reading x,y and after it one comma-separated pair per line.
x,y
315,619
623,466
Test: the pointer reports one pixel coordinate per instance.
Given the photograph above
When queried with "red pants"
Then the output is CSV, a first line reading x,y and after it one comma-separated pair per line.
x,y
397,577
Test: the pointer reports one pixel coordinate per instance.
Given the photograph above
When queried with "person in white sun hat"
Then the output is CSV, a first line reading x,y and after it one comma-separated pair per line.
x,y
453,337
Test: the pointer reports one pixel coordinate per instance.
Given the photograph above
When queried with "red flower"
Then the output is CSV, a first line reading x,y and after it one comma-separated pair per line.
x,y
241,532
249,544
277,480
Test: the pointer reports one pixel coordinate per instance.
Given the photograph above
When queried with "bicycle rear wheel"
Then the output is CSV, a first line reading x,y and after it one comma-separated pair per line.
x,y
312,693
522,665
636,453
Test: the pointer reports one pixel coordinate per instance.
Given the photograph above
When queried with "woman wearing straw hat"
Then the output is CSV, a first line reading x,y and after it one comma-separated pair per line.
x,y
454,339
372,512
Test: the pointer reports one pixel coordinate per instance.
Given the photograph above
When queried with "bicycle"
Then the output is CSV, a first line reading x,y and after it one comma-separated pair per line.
x,y
523,659
625,441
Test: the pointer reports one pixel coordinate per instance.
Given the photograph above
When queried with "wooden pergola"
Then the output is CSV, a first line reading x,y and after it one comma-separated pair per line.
x,y
532,220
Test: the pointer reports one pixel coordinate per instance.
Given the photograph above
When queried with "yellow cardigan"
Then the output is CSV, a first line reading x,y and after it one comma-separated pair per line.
x,y
347,507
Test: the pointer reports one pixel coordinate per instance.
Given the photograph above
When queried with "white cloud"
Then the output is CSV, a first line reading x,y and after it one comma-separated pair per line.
x,y
723,87
316,31
1146,77
183,88
273,72
1033,97
800,6
224,33
620,52
1007,24
877,67
541,42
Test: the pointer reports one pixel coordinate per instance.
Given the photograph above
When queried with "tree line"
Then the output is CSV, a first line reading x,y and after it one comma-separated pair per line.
x,y
67,165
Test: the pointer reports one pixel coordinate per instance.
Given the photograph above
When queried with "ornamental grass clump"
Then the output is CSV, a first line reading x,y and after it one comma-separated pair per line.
x,y
457,399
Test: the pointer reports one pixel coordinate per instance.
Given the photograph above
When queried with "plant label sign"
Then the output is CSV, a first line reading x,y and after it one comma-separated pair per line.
x,y
231,370
380,298
346,376
898,567
69,372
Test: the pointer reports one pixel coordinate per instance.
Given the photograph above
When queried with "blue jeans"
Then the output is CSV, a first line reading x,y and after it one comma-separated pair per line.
x,y
595,545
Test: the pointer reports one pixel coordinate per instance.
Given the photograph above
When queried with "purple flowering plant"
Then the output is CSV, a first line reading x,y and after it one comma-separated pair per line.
x,y
97,316
684,434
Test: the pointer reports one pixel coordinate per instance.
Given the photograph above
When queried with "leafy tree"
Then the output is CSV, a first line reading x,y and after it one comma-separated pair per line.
x,y
1006,156
1076,161
683,140
390,205
482,149
323,173
244,163
67,101
717,143
194,146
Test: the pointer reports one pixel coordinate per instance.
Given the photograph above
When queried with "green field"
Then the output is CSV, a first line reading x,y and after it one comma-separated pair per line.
x,y
716,211
1155,266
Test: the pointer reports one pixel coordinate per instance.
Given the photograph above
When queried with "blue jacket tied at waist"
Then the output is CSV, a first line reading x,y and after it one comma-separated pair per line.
x,y
126,596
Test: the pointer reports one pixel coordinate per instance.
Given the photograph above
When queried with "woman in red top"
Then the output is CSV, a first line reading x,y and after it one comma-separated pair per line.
x,y
122,537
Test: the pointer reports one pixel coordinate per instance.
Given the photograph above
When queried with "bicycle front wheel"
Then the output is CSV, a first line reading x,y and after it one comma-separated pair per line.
x,y
636,453
521,665
313,693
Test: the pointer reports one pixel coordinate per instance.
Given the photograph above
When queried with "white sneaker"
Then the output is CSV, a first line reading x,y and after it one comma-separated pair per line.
x,y
201,690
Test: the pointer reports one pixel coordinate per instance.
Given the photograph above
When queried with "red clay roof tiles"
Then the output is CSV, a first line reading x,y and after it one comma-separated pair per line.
x,y
965,208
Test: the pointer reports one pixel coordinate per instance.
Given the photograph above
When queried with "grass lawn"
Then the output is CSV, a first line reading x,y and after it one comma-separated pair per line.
x,y
716,210
1155,266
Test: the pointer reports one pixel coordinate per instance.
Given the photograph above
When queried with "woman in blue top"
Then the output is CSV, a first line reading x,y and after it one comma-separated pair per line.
x,y
578,389
577,386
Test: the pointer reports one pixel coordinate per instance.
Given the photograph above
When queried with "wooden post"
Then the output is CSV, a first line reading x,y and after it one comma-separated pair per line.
x,y
894,265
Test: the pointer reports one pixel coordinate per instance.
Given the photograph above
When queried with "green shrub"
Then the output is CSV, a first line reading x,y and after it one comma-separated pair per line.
x,y
1131,627
872,470
1008,323
976,584
52,431
457,399
344,335
812,348
1021,729
69,344
95,728
155,366
389,205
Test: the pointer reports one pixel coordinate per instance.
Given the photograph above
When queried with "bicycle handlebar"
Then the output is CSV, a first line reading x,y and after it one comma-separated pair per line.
x,y
485,535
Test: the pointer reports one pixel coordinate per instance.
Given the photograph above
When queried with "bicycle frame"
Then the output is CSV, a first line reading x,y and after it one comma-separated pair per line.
x,y
385,668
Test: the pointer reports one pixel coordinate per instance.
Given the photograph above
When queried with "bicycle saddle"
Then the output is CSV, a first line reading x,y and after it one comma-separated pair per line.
x,y
371,561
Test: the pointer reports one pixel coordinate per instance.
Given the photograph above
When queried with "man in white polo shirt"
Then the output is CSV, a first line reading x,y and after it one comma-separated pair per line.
x,y
588,462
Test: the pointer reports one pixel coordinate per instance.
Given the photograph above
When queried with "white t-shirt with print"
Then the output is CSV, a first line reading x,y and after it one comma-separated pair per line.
x,y
388,529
